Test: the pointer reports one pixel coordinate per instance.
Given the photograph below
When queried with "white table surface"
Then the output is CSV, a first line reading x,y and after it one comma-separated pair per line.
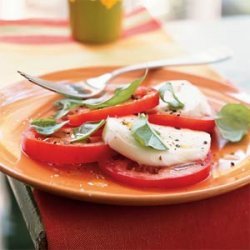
x,y
232,32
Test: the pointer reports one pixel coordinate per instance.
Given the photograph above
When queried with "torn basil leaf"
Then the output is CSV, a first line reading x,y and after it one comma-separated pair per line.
x,y
121,95
146,136
94,101
233,121
83,132
65,105
47,126
173,102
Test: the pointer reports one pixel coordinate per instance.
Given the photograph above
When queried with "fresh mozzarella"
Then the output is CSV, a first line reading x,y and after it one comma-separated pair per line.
x,y
195,103
184,145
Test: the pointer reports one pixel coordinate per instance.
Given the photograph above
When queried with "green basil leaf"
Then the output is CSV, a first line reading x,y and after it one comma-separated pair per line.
x,y
47,126
146,136
87,129
65,105
174,103
121,95
233,121
94,101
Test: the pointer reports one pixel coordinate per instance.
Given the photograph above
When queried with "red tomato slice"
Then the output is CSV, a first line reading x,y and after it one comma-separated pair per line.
x,y
57,149
143,99
194,123
129,172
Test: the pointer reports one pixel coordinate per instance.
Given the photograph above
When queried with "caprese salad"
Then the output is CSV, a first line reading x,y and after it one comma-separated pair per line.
x,y
139,136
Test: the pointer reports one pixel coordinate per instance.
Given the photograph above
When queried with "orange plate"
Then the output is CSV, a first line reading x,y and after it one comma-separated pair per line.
x,y
23,101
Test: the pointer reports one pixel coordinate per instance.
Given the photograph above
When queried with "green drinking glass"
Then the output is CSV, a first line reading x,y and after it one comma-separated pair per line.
x,y
95,21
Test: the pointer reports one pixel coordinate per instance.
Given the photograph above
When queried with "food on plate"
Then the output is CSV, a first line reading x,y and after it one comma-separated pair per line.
x,y
182,105
233,121
157,156
142,99
58,149
181,145
138,135
130,99
131,173
185,98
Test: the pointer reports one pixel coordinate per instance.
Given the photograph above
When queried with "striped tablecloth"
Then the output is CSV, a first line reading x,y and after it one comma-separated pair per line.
x,y
42,46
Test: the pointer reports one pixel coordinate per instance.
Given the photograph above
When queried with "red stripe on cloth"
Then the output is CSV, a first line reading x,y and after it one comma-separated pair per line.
x,y
49,22
143,28
50,39
45,22
36,40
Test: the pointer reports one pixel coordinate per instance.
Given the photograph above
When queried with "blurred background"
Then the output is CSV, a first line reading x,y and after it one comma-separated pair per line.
x,y
163,9
13,233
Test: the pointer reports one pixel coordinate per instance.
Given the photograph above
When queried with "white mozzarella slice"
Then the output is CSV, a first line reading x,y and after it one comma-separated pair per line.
x,y
195,103
184,145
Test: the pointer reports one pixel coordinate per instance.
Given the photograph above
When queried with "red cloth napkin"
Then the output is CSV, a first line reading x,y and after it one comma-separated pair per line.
x,y
221,222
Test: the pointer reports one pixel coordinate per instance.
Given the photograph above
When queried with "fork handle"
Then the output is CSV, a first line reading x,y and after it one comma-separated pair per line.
x,y
197,59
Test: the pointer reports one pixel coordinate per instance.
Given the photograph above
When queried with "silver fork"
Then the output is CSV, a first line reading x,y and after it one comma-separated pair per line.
x,y
92,87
